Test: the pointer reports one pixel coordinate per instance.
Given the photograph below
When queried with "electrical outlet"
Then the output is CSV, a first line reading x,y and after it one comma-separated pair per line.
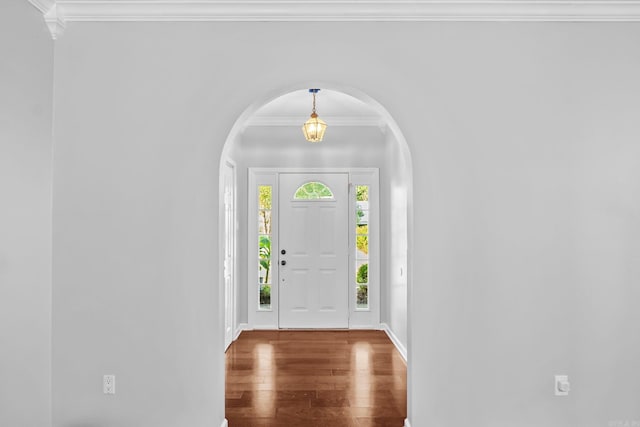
x,y
109,384
562,385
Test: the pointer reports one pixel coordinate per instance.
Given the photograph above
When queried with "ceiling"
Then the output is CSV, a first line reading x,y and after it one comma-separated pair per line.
x,y
58,13
336,108
355,130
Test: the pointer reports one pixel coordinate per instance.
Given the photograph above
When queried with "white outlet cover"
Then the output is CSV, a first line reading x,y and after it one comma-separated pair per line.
x,y
561,385
109,384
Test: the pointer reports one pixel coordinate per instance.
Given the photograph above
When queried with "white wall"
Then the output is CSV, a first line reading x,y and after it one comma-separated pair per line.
x,y
529,209
525,150
26,81
135,236
396,181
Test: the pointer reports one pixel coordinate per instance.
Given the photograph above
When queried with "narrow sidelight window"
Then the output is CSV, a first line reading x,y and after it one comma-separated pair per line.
x,y
362,247
264,245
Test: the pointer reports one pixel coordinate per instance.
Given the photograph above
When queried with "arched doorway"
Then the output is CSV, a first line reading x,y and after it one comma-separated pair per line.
x,y
362,134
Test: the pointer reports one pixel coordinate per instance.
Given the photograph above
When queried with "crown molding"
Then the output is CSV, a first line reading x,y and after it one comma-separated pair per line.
x,y
53,19
339,10
43,5
55,22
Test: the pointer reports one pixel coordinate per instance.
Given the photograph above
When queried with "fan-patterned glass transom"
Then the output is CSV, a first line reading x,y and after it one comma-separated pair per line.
x,y
313,191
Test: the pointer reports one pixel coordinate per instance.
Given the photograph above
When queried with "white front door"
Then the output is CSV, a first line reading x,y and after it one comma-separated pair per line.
x,y
314,250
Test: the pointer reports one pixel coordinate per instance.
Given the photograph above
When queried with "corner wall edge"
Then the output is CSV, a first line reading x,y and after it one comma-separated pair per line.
x,y
395,340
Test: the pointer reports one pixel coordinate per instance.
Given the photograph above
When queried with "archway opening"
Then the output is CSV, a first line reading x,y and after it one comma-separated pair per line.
x,y
361,134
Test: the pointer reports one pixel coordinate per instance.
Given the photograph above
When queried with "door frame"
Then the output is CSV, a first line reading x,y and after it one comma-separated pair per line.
x,y
358,318
230,219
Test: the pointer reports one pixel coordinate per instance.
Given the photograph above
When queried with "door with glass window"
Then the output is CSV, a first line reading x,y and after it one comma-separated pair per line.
x,y
313,254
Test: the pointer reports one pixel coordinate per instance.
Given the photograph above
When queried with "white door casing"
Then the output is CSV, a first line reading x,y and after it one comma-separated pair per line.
x,y
313,260
229,252
261,317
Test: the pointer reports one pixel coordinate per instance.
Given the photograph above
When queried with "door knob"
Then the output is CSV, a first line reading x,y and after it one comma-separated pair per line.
x,y
283,262
283,252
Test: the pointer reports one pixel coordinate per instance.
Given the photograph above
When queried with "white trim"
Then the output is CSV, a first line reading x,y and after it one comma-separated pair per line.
x,y
43,6
268,319
311,170
364,328
394,339
55,22
53,19
407,423
229,188
351,10
241,327
263,328
225,423
342,10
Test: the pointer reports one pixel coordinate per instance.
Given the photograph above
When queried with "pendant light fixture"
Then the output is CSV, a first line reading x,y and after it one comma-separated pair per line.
x,y
314,128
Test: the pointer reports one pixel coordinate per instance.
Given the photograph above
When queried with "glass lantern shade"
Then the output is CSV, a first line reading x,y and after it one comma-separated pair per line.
x,y
314,128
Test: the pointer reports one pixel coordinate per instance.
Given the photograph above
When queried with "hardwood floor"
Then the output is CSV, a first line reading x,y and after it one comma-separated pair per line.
x,y
315,378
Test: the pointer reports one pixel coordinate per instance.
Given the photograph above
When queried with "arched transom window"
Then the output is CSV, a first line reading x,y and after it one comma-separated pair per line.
x,y
313,191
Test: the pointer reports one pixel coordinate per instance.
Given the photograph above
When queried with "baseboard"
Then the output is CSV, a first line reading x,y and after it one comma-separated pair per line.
x,y
241,327
263,328
394,339
362,327
407,423
225,423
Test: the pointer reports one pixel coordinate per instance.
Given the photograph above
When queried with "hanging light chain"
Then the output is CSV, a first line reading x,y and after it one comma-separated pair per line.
x,y
313,111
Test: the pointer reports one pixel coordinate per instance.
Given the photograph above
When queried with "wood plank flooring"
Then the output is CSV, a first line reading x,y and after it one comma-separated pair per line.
x,y
315,379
